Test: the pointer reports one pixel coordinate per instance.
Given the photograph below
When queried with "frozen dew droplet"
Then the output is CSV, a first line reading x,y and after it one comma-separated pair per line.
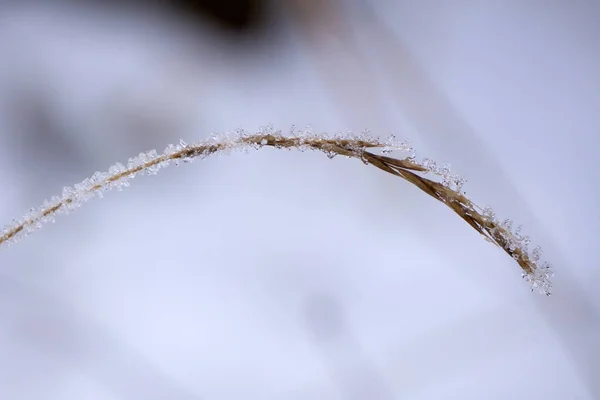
x,y
518,231
170,149
152,155
255,145
339,136
405,145
142,159
132,163
540,278
182,146
547,270
444,169
307,132
266,130
522,240
264,142
304,138
536,254
489,214
507,224
68,192
458,182
447,178
241,133
429,164
390,145
116,169
214,136
153,169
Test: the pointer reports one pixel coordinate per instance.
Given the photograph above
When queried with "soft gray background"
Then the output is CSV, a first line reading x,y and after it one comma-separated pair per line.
x,y
279,275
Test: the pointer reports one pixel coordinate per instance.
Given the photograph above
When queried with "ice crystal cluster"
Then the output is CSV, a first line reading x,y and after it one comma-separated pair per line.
x,y
541,272
362,146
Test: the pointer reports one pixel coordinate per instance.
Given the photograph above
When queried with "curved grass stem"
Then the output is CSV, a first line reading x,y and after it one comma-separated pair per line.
x,y
444,186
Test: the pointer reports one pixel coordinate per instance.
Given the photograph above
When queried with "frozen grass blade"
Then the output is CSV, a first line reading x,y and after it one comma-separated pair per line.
x,y
444,186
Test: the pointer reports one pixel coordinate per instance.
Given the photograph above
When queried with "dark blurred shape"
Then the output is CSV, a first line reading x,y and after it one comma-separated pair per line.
x,y
233,17
237,16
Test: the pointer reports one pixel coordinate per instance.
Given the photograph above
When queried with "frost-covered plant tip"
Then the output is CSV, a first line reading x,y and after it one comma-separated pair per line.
x,y
440,184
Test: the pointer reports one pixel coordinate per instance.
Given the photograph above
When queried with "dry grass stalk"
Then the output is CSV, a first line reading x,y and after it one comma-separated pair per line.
x,y
448,191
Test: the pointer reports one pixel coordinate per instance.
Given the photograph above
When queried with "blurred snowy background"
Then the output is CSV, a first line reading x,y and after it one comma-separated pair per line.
x,y
280,275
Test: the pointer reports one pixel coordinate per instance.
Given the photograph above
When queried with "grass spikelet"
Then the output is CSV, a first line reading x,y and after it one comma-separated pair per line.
x,y
437,181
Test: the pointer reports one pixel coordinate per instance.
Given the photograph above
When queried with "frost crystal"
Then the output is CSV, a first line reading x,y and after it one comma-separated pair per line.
x,y
523,240
459,182
390,145
540,279
536,272
507,224
536,254
489,214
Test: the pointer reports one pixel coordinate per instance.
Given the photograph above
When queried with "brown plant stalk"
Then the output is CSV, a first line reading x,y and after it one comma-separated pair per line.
x,y
448,191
